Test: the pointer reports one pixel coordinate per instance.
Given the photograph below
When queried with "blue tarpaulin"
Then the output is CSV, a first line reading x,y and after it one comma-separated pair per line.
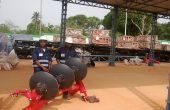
x,y
22,37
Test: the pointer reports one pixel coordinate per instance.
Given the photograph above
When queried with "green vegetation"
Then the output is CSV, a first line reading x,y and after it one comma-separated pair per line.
x,y
137,24
164,31
32,28
84,22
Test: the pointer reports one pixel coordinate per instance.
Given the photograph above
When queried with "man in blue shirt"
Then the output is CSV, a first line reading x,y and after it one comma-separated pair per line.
x,y
63,53
41,56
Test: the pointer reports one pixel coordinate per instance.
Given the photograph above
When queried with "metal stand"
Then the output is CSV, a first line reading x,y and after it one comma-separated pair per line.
x,y
152,44
63,22
168,99
113,43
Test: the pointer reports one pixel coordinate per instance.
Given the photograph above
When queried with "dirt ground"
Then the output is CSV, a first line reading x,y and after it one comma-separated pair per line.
x,y
118,88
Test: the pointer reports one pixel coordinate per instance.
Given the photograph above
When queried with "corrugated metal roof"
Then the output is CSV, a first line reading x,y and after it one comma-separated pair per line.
x,y
153,6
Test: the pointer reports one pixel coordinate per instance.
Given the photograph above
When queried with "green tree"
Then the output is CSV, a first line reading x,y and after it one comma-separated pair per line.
x,y
8,27
4,28
36,19
78,21
83,22
31,29
93,22
34,26
163,31
137,23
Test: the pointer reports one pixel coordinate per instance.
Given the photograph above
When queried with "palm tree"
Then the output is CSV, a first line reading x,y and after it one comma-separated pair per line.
x,y
36,19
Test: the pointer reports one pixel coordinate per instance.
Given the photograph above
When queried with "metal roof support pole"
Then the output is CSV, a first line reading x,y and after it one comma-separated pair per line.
x,y
113,40
168,99
63,22
152,43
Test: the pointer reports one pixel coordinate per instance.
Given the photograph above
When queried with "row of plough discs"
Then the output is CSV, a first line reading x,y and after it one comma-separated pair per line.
x,y
61,78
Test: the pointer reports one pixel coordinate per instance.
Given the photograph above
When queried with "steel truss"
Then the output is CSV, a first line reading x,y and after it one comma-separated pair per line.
x,y
114,9
105,6
88,3
63,22
114,31
152,43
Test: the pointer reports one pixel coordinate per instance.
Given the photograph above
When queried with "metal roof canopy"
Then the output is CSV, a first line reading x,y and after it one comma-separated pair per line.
x,y
161,7
156,7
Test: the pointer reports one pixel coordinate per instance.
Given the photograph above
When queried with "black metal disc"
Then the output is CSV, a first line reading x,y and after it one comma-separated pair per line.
x,y
80,69
63,74
44,78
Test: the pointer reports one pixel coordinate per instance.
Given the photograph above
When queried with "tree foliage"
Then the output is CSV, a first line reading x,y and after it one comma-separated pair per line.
x,y
163,31
83,22
136,23
8,27
34,26
4,28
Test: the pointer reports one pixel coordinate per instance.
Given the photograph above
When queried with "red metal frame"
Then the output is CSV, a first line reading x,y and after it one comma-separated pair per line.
x,y
147,59
35,99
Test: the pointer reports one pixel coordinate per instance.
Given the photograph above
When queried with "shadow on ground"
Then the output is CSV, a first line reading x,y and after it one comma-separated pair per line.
x,y
146,99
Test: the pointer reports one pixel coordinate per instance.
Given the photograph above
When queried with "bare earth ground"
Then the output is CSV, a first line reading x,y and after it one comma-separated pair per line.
x,y
119,88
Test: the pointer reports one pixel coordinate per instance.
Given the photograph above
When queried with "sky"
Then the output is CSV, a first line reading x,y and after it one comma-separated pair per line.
x,y
19,12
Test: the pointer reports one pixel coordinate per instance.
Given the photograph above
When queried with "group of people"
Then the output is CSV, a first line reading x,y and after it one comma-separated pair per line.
x,y
42,60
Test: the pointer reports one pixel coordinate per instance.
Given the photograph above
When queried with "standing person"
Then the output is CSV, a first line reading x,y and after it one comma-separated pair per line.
x,y
63,53
41,56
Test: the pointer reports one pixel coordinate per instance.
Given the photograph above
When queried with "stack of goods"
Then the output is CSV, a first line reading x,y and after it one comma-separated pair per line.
x,y
76,35
56,38
8,57
126,42
168,47
124,45
165,45
72,31
135,45
145,40
100,37
144,45
79,40
84,55
157,45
